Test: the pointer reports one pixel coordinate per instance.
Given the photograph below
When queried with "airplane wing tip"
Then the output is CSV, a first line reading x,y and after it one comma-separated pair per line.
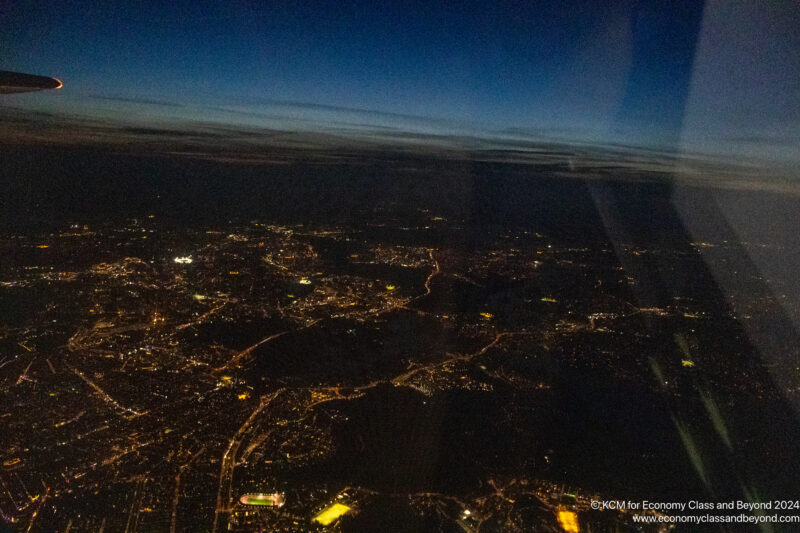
x,y
18,82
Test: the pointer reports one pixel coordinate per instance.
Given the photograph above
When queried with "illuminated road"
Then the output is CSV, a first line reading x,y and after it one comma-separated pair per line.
x,y
247,351
103,394
404,378
229,460
176,497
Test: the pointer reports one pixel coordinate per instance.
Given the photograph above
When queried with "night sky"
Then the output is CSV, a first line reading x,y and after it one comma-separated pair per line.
x,y
692,76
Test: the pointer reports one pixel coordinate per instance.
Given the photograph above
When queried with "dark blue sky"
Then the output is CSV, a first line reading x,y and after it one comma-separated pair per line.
x,y
645,72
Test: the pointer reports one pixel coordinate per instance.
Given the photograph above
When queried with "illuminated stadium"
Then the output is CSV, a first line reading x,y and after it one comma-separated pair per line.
x,y
264,500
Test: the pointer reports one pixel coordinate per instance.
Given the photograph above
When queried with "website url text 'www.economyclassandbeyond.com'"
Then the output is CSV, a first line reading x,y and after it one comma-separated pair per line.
x,y
727,512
